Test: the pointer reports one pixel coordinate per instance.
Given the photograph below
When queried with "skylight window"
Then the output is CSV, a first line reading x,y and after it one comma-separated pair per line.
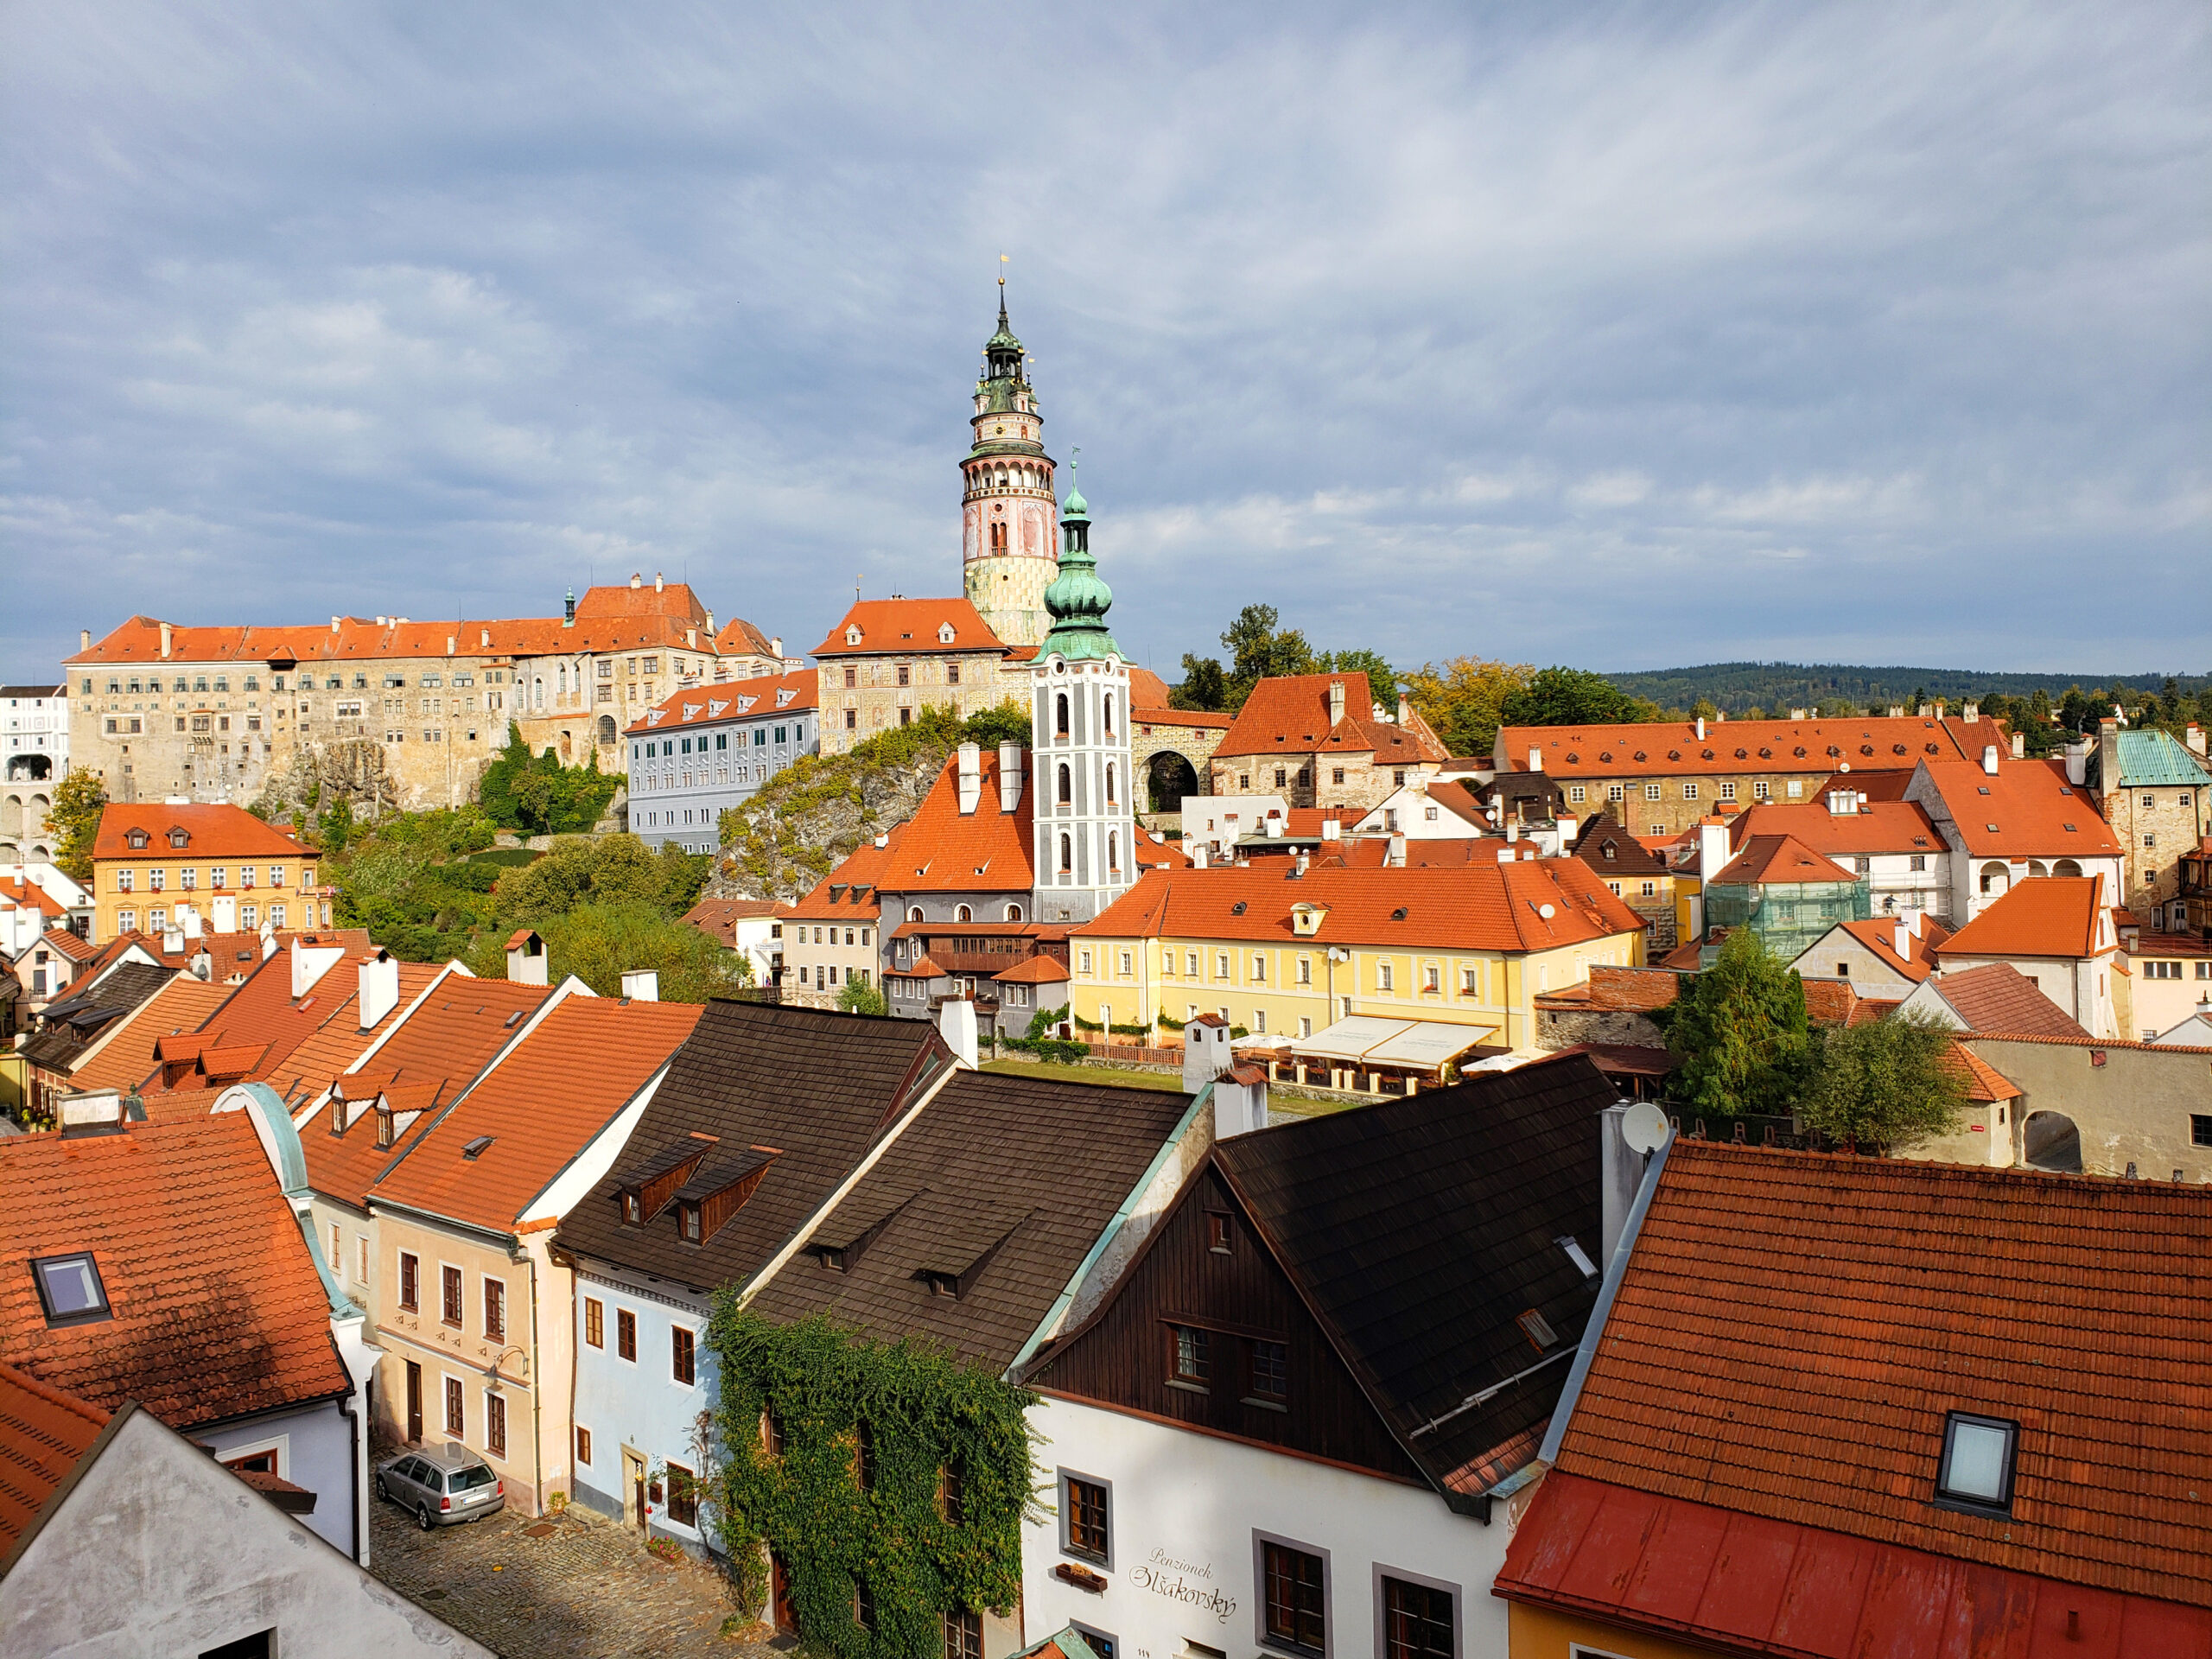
x,y
1579,1256
70,1290
476,1148
1976,1473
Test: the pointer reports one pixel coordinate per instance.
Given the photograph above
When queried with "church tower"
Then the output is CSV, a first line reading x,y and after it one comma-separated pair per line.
x,y
1085,823
1008,506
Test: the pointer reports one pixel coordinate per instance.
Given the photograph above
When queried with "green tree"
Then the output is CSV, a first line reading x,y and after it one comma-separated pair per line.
x,y
603,870
1703,708
334,829
542,797
1571,697
74,820
1008,723
1891,1082
1205,686
1740,1029
1463,698
1381,677
599,943
854,997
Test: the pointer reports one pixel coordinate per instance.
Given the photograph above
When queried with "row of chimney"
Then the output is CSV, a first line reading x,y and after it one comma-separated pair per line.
x,y
1013,764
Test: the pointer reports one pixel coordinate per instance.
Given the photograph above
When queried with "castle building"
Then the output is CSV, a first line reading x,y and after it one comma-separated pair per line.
x,y
1008,506
1085,850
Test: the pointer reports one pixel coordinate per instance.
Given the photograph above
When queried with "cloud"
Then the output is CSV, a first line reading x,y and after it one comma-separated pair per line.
x,y
1618,336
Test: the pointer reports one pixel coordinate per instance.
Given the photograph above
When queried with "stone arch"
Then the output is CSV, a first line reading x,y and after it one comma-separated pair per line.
x,y
1170,776
2050,1140
2036,866
1996,878
914,912
1013,912
2066,867
11,816
29,768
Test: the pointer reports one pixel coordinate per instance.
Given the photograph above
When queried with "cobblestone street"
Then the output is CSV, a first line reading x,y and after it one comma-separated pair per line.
x,y
575,1586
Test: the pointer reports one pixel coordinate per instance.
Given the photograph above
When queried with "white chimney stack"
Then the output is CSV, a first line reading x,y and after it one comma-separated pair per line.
x,y
167,636
1396,860
1989,759
1205,1051
971,777
641,985
226,914
1336,701
1331,829
1199,857
1701,728
1904,942
2077,762
379,975
2193,735
1012,760
956,1023
188,920
526,958
83,639
2019,745
310,962
1240,1101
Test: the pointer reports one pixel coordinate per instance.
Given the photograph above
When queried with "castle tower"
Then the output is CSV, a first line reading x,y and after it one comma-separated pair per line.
x,y
1008,506
1085,827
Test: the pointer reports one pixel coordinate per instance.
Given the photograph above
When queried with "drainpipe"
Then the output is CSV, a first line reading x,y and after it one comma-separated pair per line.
x,y
536,1391
353,1473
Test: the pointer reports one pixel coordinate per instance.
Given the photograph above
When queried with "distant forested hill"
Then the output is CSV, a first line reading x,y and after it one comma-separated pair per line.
x,y
1736,688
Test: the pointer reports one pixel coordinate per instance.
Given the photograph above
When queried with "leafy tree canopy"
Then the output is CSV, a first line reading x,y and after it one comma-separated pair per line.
x,y
1381,677
1462,696
74,821
856,998
1571,697
540,797
1891,1082
604,870
1741,1030
600,941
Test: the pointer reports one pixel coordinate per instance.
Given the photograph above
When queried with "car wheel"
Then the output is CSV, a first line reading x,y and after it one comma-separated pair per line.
x,y
383,1490
422,1516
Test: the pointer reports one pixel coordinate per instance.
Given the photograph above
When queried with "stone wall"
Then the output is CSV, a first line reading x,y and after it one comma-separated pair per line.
x,y
1564,1029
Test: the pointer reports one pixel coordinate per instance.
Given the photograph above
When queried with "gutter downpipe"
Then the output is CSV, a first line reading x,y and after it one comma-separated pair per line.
x,y
353,1470
1616,1270
537,1389
1202,1100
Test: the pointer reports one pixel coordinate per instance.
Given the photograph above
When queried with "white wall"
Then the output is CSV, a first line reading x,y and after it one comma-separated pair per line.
x,y
1185,1508
638,1405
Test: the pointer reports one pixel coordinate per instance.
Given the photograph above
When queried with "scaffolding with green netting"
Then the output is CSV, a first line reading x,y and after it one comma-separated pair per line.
x,y
1789,916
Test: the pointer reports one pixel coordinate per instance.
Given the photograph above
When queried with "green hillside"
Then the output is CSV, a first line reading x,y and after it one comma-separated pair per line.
x,y
1735,688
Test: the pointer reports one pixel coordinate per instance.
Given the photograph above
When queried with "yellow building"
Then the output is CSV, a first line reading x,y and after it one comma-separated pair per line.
x,y
1292,956
151,863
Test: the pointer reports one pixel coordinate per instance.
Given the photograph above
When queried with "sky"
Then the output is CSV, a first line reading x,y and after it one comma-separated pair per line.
x,y
1623,337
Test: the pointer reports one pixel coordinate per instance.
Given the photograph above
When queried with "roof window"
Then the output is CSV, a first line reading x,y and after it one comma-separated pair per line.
x,y
1236,909
476,1148
69,1289
1577,1255
1399,914
1976,1471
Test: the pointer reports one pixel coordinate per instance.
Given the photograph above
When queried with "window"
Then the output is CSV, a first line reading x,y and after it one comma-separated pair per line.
x,y
1615,792
1219,1234
495,1425
1305,971
1385,978
361,1263
682,1353
455,1426
1432,979
963,1635
1336,774
1689,792
626,1334
1651,791
410,1287
953,1495
583,1444
2200,1129
682,1496
1084,1508
1190,1357
1266,1373
863,1606
1576,793
495,1310
69,1289
772,1435
1417,1620
1976,1471
1295,1597
449,1298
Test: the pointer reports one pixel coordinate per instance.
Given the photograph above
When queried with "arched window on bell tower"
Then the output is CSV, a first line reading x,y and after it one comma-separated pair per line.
x,y
1067,853
1060,720
1110,797
998,535
1109,714
1067,784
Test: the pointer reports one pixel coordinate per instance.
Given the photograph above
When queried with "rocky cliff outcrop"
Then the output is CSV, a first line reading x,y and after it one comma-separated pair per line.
x,y
809,817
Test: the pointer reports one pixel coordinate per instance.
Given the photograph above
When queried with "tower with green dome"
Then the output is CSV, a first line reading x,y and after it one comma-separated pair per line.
x,y
1007,508
1083,819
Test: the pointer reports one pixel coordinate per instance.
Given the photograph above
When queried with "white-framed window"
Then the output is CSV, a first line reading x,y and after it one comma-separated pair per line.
x,y
1651,791
1616,792
1385,976
1689,792
1727,792
1082,961
1577,794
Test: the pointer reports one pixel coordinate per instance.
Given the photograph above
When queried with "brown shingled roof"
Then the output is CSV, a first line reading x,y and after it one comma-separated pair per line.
x,y
1998,996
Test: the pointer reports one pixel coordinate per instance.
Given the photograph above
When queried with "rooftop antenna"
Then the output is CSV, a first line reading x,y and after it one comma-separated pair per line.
x,y
857,587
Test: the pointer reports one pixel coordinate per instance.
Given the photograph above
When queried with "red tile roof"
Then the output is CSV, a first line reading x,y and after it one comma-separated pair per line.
x,y
921,967
1985,1085
19,890
1782,859
64,944
44,1433
2022,810
1830,1001
836,895
1921,950
2059,916
217,832
1037,970
1200,719
1880,827
720,917
728,700
1866,1298
1373,852
1147,689
739,638
910,627
339,1041
434,1053
1612,989
123,1056
263,1014
219,1310
1290,716
1479,907
1997,996
546,1100
638,598
1673,748
941,850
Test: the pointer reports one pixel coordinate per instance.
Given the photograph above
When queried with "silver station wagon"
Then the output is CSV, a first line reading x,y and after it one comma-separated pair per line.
x,y
441,1485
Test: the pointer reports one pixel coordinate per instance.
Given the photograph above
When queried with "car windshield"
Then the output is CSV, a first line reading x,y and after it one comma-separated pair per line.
x,y
468,1480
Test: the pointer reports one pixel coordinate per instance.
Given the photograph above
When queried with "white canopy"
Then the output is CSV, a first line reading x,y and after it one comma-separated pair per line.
x,y
1365,1038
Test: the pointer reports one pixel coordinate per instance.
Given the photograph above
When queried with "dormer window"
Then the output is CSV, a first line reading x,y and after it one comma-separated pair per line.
x,y
944,633
1976,1470
69,1289
633,1211
137,839
180,836
852,636
687,1223
942,1284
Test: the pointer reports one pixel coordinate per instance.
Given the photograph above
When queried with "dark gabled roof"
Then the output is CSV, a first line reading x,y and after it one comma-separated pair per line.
x,y
124,988
70,1026
1418,1230
1631,857
817,1086
1002,1184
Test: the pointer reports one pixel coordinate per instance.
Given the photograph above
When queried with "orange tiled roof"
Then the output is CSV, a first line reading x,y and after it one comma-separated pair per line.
x,y
1922,950
539,1108
941,850
1985,1085
1867,1298
1880,827
19,890
1146,688
739,638
123,1056
263,1014
1037,970
339,1041
1997,996
2057,916
2026,808
1160,714
1782,859
909,628
1478,907
137,643
218,1308
707,705
63,942
1674,748
428,1058
720,917
923,968
44,1432
1290,716
838,894
1373,852
217,832
1830,1001
637,599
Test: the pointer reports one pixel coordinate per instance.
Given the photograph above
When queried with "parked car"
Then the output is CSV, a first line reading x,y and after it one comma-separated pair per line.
x,y
441,1485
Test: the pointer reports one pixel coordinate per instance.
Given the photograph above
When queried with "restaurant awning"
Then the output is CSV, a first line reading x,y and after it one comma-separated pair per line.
x,y
1364,1038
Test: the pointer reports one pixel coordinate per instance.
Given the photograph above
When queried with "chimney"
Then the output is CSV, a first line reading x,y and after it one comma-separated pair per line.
x,y
776,647
83,639
691,638
1305,858
1896,711
1912,921
526,958
2194,736
1989,759
167,636
310,961
1535,760
1712,850
2077,762
956,1023
1198,858
1701,728
187,917
1396,858
225,918
451,640
102,1113
1205,1051
380,977
971,778
1331,829
659,585
1405,711
1013,758
2108,774
1240,1101
637,579
1512,829
333,625
1971,711
1938,707
2019,745
640,985
173,943
1336,697
1903,941
484,638
710,623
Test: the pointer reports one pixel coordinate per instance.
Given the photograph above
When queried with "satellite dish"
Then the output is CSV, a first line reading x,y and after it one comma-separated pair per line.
x,y
1644,1128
